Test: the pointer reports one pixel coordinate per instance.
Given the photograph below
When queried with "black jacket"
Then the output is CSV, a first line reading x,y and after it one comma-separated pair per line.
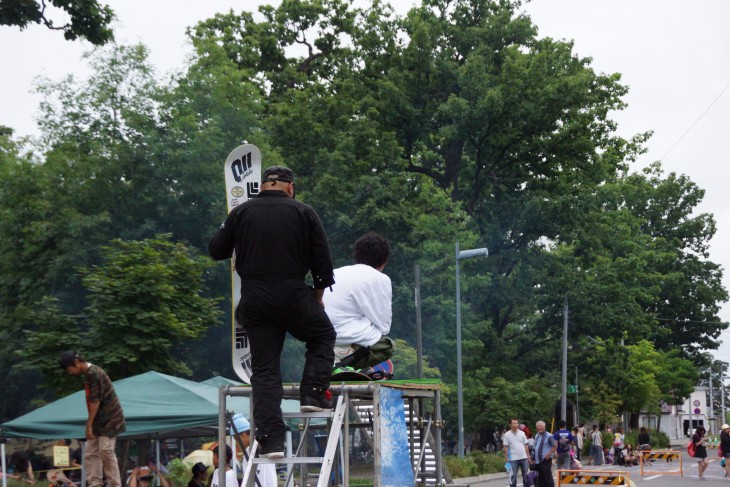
x,y
276,239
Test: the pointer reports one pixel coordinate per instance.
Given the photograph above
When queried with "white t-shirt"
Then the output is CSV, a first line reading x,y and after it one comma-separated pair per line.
x,y
516,443
231,480
265,473
359,305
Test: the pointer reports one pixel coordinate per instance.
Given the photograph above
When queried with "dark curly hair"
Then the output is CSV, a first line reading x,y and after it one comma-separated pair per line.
x,y
372,249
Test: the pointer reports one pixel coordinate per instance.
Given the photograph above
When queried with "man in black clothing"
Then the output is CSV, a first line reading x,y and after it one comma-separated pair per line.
x,y
277,241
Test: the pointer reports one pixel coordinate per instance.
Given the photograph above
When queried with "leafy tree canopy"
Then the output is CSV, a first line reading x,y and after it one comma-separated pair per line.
x,y
88,19
143,301
455,122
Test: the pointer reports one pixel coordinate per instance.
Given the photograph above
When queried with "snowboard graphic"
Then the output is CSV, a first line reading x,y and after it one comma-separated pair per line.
x,y
243,179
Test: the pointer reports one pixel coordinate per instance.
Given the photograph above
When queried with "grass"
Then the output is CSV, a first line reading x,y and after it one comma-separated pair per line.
x,y
476,463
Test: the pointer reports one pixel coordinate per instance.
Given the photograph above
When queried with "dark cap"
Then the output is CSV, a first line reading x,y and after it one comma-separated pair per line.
x,y
278,173
199,468
229,452
68,358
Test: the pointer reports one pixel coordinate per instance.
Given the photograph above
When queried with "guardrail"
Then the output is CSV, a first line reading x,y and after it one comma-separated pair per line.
x,y
650,457
600,477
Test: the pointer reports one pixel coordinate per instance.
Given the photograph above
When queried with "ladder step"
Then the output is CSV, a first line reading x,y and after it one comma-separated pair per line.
x,y
288,460
323,414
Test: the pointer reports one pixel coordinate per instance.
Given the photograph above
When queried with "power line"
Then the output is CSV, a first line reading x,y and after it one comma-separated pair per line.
x,y
696,121
693,321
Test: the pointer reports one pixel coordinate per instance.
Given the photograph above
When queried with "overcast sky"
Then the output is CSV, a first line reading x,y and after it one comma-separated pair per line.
x,y
673,55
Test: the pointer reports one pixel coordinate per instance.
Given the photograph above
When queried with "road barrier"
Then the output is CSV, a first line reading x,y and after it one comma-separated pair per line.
x,y
651,458
593,477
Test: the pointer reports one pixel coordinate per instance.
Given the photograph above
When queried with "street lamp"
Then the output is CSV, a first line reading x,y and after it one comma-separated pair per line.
x,y
464,254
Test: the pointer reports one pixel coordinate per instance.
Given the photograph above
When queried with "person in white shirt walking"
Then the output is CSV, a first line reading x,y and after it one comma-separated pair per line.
x,y
241,432
359,306
516,451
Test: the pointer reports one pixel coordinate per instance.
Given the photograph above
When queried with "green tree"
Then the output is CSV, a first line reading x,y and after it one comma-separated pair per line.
x,y
457,123
603,402
143,300
491,401
642,391
49,332
687,306
407,359
17,276
88,19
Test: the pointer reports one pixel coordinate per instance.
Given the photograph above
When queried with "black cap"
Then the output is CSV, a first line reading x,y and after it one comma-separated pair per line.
x,y
68,358
278,173
199,468
229,452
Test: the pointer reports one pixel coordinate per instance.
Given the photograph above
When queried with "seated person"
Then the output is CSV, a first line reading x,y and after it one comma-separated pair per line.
x,y
20,463
359,305
58,477
241,433
608,455
629,457
77,461
575,464
142,477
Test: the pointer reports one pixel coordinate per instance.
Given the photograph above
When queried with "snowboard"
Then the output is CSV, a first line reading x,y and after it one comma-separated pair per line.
x,y
243,180
350,376
381,371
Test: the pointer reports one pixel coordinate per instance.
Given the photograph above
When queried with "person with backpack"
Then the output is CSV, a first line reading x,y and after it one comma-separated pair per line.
x,y
700,450
596,447
565,439
618,446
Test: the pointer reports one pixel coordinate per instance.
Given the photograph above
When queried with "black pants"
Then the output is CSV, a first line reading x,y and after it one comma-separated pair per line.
x,y
544,471
267,321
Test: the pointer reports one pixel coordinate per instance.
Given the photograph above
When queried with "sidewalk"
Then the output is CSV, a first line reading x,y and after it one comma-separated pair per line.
x,y
678,443
474,481
482,480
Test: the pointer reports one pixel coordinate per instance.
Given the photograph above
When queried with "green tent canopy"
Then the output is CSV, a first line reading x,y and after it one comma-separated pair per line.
x,y
155,406
218,381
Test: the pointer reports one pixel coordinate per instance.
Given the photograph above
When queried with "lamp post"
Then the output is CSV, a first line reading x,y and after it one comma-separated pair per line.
x,y
711,409
722,396
464,254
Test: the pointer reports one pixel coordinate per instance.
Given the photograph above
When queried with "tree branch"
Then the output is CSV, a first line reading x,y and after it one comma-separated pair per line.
x,y
49,23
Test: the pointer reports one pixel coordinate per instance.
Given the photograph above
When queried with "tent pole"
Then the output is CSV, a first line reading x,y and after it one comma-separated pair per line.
x,y
234,462
5,470
157,455
83,463
222,435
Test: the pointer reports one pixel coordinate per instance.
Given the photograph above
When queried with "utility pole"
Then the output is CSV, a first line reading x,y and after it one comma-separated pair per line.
x,y
577,404
419,340
711,410
722,397
564,398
